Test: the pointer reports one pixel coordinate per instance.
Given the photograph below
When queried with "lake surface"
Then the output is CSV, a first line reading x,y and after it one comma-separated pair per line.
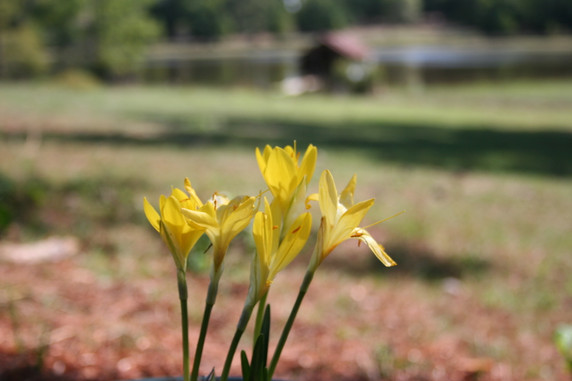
x,y
442,65
420,65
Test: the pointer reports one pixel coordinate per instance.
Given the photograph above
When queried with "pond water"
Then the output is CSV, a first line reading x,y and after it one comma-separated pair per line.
x,y
421,65
442,65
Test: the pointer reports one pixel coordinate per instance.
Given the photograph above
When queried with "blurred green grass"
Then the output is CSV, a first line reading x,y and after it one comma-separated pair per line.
x,y
520,127
494,153
483,172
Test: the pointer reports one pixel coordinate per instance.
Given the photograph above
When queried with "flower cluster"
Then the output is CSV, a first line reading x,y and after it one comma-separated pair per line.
x,y
281,227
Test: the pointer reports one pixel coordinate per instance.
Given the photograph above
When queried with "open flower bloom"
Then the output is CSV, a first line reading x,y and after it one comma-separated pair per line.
x,y
176,232
340,221
222,219
285,178
272,253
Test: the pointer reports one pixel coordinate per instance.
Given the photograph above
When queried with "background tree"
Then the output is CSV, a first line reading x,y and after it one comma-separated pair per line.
x,y
106,36
172,15
320,15
208,19
22,52
401,11
118,35
507,16
109,37
254,16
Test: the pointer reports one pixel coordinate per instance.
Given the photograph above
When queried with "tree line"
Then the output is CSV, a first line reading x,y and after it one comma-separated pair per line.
x,y
109,37
212,19
106,37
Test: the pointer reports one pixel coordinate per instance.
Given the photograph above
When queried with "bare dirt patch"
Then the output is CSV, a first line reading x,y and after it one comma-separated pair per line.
x,y
62,321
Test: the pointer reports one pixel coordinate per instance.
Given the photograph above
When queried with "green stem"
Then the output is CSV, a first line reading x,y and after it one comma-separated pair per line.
x,y
286,331
183,296
259,316
210,301
241,326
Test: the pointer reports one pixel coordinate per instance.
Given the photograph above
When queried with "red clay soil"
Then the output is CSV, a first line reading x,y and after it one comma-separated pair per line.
x,y
61,321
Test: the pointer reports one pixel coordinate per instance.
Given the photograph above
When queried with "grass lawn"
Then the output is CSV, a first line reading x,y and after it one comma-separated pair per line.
x,y
484,173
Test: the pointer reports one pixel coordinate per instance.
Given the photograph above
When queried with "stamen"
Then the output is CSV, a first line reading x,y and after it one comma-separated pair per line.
x,y
214,197
385,219
260,193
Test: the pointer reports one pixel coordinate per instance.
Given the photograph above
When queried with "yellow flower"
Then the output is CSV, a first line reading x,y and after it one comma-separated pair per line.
x,y
176,232
222,219
284,176
341,219
273,254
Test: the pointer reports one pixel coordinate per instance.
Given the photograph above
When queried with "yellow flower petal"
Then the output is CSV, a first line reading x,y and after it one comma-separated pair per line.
x,y
179,194
262,158
293,242
347,195
170,239
192,194
171,213
262,235
344,227
340,221
174,229
313,197
203,218
162,201
328,197
222,220
351,219
237,216
151,214
280,174
375,247
308,163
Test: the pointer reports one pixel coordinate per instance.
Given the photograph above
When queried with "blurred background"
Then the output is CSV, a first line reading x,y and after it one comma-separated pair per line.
x,y
459,113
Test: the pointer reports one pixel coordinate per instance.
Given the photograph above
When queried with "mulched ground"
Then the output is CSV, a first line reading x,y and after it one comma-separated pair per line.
x,y
62,321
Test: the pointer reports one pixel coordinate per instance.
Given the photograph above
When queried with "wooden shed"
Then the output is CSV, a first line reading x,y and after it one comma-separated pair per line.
x,y
320,59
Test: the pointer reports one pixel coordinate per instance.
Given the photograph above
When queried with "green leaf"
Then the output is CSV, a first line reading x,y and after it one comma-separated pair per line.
x,y
245,366
258,370
211,376
265,374
265,333
258,358
563,341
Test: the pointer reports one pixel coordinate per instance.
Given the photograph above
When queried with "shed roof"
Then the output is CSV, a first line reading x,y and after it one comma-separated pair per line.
x,y
345,45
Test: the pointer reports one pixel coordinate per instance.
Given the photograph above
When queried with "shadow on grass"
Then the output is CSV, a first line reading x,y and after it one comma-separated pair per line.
x,y
39,208
412,261
421,263
458,148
